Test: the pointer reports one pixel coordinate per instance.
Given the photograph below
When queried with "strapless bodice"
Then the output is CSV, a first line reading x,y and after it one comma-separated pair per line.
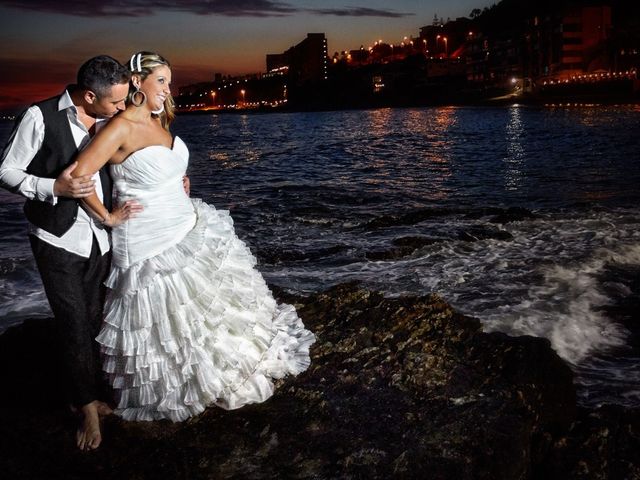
x,y
153,177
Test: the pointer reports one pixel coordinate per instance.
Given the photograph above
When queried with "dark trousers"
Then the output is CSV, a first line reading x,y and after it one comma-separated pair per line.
x,y
75,290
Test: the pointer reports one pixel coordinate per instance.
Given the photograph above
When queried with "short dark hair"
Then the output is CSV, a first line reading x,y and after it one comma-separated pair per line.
x,y
100,73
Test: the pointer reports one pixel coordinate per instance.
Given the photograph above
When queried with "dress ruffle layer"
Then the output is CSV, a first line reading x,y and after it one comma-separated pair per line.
x,y
196,325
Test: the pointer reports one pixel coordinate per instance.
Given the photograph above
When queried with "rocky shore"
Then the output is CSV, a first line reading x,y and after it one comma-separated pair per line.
x,y
398,388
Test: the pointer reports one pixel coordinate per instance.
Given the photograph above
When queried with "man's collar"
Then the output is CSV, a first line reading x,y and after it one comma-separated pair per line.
x,y
65,101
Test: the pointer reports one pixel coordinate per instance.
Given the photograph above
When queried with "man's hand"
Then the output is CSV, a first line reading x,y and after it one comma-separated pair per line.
x,y
67,186
186,184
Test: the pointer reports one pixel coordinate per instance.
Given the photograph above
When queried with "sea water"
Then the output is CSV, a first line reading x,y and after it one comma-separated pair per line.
x,y
524,217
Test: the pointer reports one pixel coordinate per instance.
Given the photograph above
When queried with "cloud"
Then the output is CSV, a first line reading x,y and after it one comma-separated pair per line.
x,y
360,12
230,8
140,8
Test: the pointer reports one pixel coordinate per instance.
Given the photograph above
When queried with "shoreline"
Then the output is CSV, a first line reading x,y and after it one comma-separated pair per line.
x,y
505,101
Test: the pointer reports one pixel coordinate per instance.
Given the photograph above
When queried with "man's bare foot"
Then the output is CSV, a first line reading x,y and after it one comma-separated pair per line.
x,y
88,436
104,410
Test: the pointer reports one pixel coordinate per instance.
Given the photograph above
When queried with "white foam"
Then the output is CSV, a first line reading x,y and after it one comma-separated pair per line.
x,y
16,308
546,282
564,310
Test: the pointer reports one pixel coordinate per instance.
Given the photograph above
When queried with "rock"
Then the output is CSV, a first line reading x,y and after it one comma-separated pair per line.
x,y
398,388
411,217
278,255
406,246
601,444
621,282
513,214
414,242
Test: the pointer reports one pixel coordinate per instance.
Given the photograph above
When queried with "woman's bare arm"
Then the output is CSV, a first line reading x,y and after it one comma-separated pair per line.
x,y
102,148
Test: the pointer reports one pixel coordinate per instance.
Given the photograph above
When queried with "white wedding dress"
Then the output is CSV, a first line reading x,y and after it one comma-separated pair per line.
x,y
189,321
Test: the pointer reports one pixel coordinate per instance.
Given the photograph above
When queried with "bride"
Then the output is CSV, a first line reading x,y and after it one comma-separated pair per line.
x,y
188,320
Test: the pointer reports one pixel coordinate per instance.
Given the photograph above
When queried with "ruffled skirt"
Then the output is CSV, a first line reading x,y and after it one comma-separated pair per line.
x,y
196,325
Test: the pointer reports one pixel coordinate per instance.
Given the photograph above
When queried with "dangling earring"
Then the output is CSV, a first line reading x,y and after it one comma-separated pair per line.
x,y
135,95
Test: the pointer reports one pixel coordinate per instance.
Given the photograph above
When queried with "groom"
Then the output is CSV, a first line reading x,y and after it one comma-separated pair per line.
x,y
70,249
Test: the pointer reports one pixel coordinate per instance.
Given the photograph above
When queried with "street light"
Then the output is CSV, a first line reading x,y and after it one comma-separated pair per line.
x,y
243,92
444,39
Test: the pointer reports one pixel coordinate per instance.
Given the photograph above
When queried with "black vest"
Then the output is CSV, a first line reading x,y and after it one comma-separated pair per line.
x,y
57,152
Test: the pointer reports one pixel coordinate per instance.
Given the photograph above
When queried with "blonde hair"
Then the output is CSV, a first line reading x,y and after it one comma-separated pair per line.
x,y
142,64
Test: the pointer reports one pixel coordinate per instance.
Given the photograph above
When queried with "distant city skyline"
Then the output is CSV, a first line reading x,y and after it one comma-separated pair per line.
x,y
45,40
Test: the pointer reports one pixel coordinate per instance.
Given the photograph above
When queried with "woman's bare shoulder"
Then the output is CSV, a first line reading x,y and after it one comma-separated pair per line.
x,y
119,126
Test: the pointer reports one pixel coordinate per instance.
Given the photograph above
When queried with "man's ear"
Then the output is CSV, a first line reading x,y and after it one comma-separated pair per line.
x,y
90,96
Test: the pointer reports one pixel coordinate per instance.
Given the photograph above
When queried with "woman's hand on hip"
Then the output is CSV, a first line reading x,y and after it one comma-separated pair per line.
x,y
122,212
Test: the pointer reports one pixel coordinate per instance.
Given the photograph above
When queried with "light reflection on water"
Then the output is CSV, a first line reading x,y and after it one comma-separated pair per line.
x,y
515,150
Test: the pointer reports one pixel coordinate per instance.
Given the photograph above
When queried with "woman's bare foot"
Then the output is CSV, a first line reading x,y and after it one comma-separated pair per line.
x,y
88,436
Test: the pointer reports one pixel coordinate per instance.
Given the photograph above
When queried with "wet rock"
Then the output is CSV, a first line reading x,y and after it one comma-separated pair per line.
x,y
409,218
398,388
414,242
601,444
621,283
513,214
277,255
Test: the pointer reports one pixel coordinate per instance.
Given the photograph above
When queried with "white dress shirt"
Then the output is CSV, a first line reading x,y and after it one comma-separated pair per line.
x,y
25,142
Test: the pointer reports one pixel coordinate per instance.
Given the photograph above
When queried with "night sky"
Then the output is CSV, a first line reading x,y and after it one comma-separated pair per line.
x,y
44,41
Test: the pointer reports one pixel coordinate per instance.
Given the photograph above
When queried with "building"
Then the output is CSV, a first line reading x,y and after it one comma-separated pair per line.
x,y
444,40
585,32
305,62
570,43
